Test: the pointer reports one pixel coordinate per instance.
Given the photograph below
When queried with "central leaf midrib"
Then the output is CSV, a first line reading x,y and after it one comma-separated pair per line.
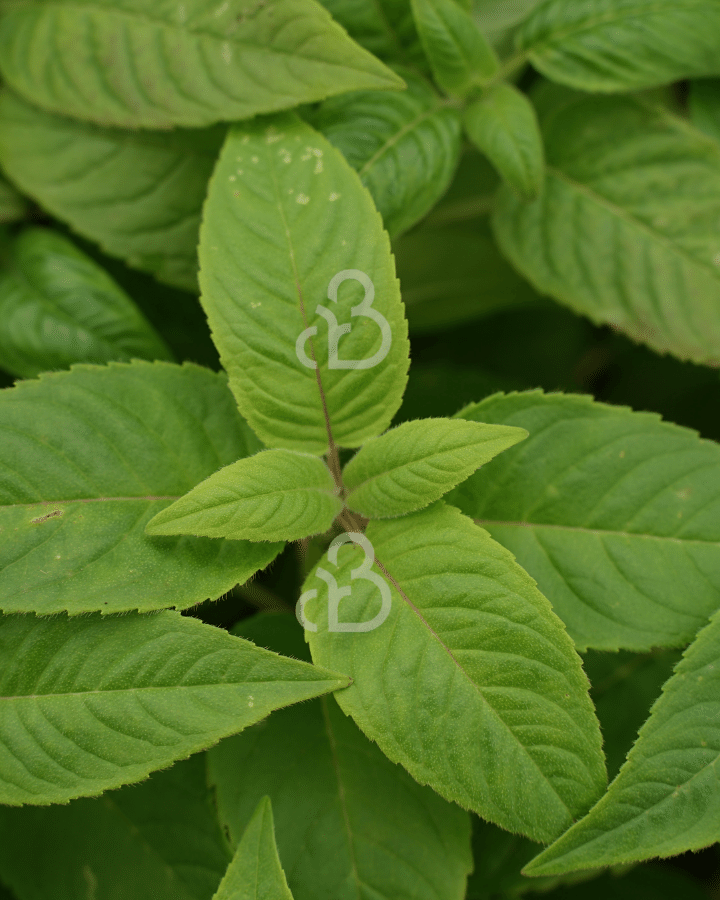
x,y
170,687
600,532
409,464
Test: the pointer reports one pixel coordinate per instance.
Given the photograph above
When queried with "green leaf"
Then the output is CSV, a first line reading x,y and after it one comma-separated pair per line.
x,y
90,703
159,840
704,106
666,799
274,495
138,194
470,682
459,54
286,217
621,233
405,146
330,786
386,28
616,514
503,124
190,65
58,307
255,872
12,204
622,45
417,462
87,458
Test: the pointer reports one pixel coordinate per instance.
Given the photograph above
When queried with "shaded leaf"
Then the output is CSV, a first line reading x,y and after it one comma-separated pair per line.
x,y
87,458
12,205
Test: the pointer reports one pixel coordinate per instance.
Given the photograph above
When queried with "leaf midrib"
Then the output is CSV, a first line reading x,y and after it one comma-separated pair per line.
x,y
410,463
599,532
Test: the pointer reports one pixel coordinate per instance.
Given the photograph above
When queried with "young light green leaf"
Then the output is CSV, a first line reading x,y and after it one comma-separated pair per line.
x,y
620,232
276,495
417,462
91,702
622,45
502,123
58,307
189,65
159,840
290,244
12,204
458,53
139,194
404,145
87,458
255,872
616,514
392,839
470,681
666,799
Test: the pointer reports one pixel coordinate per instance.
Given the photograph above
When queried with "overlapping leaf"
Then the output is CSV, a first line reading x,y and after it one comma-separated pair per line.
x,y
191,65
87,458
385,28
704,106
414,464
471,681
137,193
274,495
615,514
58,307
404,145
624,231
255,872
90,703
666,799
503,124
159,840
285,220
332,788
622,45
12,204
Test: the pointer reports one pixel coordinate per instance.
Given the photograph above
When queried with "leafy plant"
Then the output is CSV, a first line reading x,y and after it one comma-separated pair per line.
x,y
495,576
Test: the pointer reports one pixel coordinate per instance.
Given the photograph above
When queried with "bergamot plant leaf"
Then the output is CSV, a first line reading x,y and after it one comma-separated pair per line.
x,y
666,798
459,55
276,495
465,676
503,124
704,106
90,703
138,194
191,64
166,842
615,513
622,45
87,458
658,280
12,204
392,838
299,287
405,146
255,872
58,307
414,464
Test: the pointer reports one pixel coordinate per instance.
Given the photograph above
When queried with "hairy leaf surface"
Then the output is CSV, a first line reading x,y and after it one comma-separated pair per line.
x,y
159,840
471,682
163,65
624,231
274,495
666,799
58,307
255,872
391,839
286,214
414,464
503,124
622,45
137,193
404,145
616,515
90,703
87,458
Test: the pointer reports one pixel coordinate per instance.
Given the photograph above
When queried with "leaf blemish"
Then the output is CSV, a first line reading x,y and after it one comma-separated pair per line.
x,y
51,515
